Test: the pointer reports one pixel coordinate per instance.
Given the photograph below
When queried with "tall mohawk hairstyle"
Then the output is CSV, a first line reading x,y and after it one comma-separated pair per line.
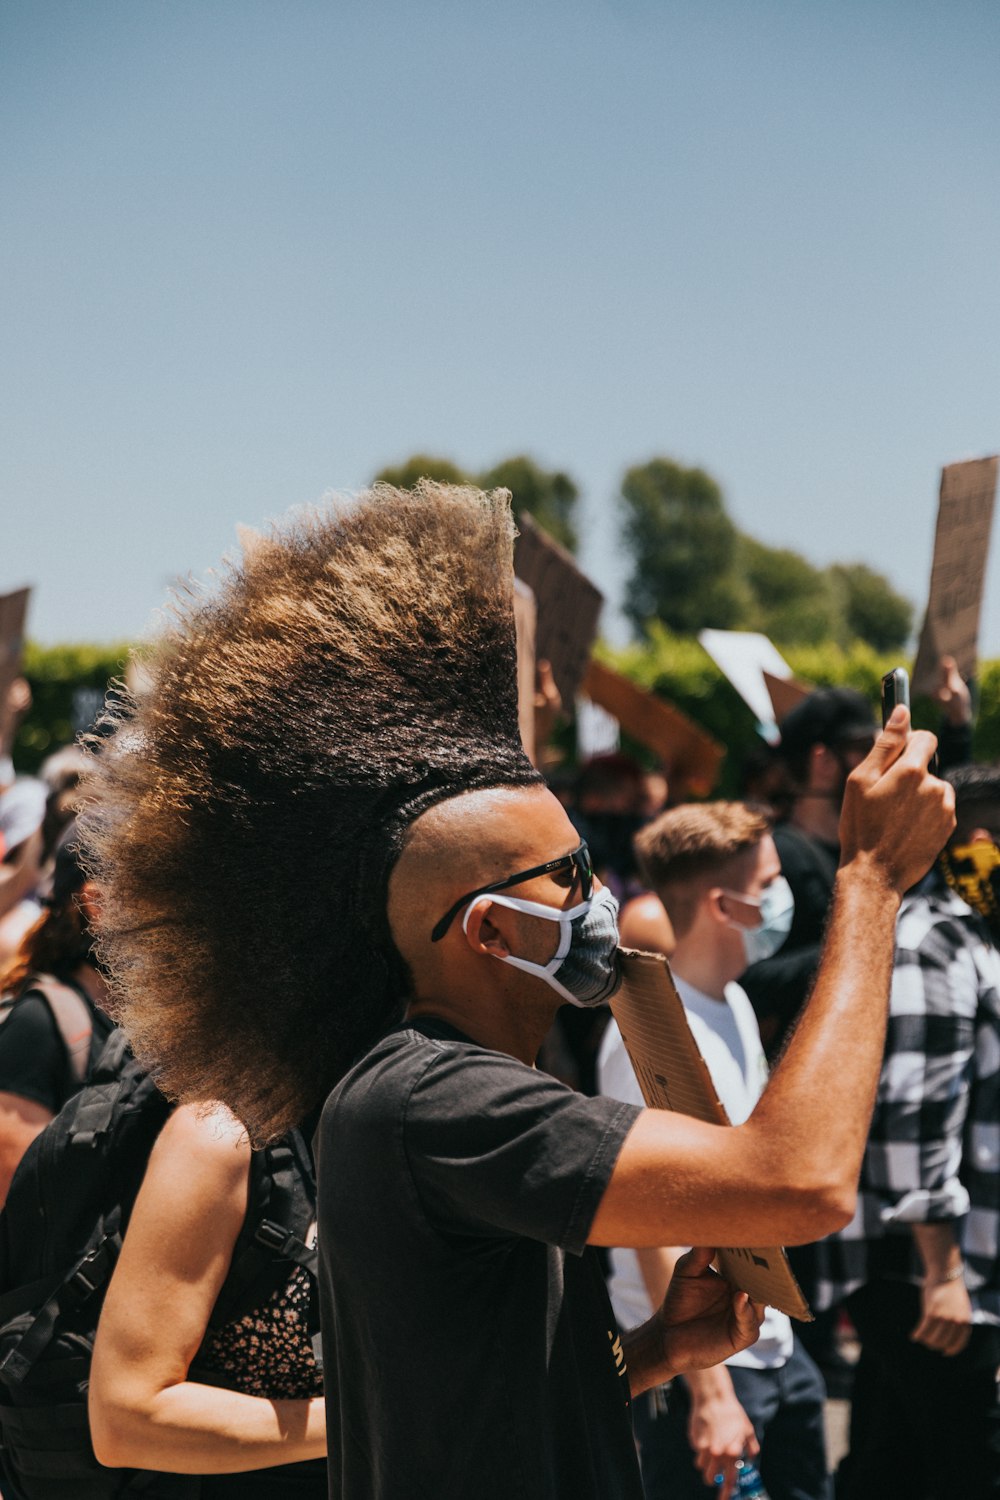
x,y
352,670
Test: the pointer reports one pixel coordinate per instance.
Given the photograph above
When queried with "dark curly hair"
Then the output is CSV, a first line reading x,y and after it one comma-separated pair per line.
x,y
245,813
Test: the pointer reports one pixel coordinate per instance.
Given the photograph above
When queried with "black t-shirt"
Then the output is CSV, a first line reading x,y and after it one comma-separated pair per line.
x,y
779,986
34,1062
468,1356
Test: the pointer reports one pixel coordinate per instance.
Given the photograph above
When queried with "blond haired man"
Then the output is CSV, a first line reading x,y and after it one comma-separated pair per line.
x,y
716,870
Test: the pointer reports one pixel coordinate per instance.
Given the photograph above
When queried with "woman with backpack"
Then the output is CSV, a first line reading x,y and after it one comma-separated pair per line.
x,y
192,1375
52,1027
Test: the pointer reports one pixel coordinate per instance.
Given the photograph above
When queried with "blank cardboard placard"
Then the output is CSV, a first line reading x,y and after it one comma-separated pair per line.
x,y
744,656
13,614
525,621
961,546
568,605
673,1075
785,693
690,755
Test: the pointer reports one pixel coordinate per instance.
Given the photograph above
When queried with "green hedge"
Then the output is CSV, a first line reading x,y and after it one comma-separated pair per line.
x,y
67,684
682,671
673,665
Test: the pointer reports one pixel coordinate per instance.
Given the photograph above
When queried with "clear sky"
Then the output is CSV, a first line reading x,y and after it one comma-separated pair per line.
x,y
252,251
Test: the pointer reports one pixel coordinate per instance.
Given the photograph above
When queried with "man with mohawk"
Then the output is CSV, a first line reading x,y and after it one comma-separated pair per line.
x,y
329,870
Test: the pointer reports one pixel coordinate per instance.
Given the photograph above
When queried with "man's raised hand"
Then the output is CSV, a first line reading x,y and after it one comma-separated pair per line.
x,y
896,817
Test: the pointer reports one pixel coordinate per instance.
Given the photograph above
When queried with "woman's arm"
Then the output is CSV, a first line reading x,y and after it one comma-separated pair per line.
x,y
144,1411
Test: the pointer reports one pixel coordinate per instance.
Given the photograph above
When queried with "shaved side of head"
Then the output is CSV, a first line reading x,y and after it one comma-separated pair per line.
x,y
468,841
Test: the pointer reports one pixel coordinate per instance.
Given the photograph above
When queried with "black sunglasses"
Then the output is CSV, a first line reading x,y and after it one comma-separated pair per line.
x,y
579,860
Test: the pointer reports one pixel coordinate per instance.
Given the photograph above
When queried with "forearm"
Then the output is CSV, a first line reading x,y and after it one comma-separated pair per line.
x,y
817,1106
645,1356
939,1250
711,1385
189,1428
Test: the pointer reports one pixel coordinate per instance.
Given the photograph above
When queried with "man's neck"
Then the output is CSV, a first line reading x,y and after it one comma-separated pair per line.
x,y
818,816
512,1029
700,967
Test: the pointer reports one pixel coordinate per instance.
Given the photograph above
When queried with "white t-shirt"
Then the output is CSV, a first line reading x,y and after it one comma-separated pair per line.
x,y
729,1041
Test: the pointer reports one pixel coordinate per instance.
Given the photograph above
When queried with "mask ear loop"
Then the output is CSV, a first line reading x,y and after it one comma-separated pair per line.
x,y
547,972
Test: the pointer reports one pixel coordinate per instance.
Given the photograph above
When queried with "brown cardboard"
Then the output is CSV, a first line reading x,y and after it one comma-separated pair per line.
x,y
525,623
673,1074
689,754
568,605
785,693
961,545
13,613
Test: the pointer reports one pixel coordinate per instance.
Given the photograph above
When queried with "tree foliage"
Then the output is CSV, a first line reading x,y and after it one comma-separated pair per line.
x,y
550,495
692,568
423,466
683,548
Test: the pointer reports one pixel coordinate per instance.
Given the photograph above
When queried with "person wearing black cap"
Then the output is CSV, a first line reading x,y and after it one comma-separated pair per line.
x,y
822,740
52,1023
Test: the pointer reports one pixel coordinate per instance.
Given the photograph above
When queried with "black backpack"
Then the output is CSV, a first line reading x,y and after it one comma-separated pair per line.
x,y
60,1234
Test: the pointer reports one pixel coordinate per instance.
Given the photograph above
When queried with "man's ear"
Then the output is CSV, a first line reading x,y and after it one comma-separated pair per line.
x,y
89,898
482,932
712,903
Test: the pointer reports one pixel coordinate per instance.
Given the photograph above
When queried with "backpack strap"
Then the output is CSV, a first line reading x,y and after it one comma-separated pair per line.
x,y
280,1214
73,1018
91,1272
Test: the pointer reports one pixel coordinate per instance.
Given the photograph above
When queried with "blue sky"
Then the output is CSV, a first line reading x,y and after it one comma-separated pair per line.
x,y
254,251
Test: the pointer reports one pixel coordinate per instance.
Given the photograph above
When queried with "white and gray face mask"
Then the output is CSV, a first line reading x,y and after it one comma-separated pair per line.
x,y
586,958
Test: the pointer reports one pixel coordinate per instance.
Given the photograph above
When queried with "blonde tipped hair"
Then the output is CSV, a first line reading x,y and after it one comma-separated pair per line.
x,y
353,668
687,850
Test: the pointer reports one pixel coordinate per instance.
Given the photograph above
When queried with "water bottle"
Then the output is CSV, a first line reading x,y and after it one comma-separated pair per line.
x,y
749,1485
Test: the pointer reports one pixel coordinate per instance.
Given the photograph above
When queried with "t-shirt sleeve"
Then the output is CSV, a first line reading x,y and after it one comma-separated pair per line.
x,y
32,1056
498,1148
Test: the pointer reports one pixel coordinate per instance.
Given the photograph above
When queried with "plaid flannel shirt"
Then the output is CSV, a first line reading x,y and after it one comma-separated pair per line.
x,y
933,1151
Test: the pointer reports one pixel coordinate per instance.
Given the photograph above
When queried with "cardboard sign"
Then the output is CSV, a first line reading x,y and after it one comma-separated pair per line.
x,y
785,693
525,623
13,613
961,545
744,656
673,1075
690,755
568,604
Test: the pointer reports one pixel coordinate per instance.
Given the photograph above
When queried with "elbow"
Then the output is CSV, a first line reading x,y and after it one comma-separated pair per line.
x,y
112,1429
811,1206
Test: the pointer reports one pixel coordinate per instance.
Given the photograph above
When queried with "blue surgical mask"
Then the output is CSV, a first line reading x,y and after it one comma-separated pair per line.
x,y
586,958
776,905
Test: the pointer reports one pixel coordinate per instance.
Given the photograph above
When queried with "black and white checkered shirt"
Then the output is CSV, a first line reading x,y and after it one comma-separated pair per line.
x,y
934,1148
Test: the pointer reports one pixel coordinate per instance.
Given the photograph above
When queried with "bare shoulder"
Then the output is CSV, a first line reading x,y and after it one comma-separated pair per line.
x,y
205,1142
644,924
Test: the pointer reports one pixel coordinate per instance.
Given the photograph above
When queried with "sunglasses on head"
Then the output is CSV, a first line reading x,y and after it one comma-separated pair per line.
x,y
579,860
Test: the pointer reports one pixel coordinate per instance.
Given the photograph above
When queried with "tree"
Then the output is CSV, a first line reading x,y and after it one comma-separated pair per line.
x,y
548,494
874,612
423,466
684,550
794,603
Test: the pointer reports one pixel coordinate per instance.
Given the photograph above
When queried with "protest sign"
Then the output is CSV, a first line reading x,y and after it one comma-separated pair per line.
x,y
961,545
690,756
13,613
525,622
568,605
744,656
785,693
673,1075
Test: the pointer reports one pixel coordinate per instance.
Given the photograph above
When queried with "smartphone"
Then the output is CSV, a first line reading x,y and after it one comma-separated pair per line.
x,y
895,689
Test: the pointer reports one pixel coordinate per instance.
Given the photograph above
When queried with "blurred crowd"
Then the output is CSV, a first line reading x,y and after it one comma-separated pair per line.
x,y
736,894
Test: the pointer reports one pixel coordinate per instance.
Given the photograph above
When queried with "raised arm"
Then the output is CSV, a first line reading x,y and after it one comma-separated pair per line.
x,y
144,1411
789,1174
